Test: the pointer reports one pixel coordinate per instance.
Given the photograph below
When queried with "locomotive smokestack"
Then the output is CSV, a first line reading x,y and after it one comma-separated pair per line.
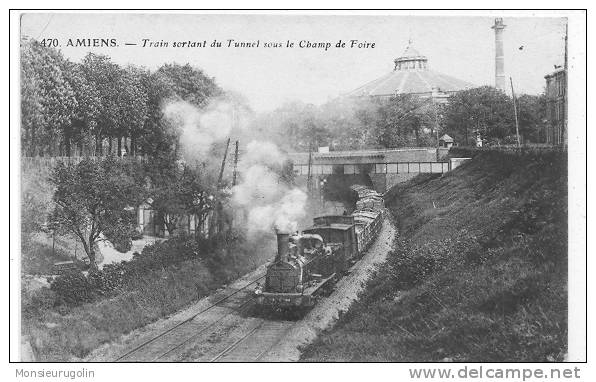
x,y
500,82
283,245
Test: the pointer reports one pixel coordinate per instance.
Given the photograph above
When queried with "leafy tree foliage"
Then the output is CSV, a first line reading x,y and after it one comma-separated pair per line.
x,y
103,78
94,198
485,110
132,106
87,103
403,120
532,117
356,123
189,84
157,138
47,99
178,190
407,121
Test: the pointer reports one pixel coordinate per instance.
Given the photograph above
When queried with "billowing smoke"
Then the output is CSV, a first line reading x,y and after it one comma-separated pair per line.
x,y
200,129
270,203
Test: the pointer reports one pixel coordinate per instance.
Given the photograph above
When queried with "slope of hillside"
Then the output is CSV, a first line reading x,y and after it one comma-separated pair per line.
x,y
478,272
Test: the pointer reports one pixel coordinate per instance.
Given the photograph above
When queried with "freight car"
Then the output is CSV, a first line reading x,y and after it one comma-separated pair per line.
x,y
308,263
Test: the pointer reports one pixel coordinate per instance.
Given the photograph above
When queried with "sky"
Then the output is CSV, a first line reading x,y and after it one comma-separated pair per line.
x,y
460,46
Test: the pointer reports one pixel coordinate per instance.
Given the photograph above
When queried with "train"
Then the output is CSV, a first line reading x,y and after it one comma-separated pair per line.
x,y
308,263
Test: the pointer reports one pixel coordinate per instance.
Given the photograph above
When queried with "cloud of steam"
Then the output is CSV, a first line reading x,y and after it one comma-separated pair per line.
x,y
262,153
201,128
269,202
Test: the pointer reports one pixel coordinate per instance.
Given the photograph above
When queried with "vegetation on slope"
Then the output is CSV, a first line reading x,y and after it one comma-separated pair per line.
x,y
81,312
478,272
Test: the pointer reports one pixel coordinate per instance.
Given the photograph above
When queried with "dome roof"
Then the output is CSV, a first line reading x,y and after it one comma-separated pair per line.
x,y
410,51
411,75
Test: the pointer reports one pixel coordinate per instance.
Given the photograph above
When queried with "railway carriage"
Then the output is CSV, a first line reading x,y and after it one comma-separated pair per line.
x,y
308,263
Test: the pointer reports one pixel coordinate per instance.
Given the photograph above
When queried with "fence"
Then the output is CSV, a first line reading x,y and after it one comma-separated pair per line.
x,y
49,162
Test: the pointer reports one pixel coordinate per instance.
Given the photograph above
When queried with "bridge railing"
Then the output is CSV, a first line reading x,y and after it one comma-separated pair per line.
x,y
373,168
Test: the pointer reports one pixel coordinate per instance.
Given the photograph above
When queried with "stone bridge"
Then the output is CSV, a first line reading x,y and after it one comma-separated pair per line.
x,y
385,168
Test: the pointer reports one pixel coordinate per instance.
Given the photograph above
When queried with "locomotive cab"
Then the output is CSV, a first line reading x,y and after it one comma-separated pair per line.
x,y
339,232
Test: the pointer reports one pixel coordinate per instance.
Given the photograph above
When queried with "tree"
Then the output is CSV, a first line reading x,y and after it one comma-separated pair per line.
x,y
93,198
532,117
189,83
485,110
351,122
86,111
47,100
102,79
157,137
403,119
132,107
177,191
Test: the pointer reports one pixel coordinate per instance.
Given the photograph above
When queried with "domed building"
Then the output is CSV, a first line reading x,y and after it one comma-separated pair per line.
x,y
411,75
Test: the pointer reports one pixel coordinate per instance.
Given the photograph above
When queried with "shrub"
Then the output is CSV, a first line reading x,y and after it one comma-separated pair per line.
x,y
34,303
109,280
73,288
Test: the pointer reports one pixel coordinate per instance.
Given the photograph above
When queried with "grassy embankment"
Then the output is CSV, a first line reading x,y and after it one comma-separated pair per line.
x,y
478,272
156,287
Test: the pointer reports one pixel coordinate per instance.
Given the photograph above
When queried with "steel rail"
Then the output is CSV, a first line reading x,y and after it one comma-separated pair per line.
x,y
187,320
238,310
237,342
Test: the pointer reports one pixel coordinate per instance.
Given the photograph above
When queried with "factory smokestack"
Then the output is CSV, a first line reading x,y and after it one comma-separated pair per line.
x,y
500,82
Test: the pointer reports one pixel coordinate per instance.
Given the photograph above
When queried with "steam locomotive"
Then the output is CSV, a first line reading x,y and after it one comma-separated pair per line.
x,y
308,263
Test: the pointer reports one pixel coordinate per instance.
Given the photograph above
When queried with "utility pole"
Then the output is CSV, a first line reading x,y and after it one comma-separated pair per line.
x,y
515,112
235,174
309,176
565,103
223,164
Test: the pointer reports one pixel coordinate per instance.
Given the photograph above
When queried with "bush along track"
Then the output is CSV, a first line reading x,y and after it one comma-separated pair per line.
x,y
478,271
79,312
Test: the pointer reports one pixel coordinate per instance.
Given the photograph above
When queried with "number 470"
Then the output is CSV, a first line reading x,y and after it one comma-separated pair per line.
x,y
49,42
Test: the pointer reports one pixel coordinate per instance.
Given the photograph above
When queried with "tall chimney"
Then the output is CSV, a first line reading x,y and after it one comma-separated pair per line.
x,y
500,82
283,246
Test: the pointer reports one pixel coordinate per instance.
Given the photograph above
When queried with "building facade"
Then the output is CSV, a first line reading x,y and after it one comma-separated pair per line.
x,y
556,107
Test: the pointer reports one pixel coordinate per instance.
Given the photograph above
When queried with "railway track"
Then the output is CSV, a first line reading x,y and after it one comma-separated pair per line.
x,y
253,345
168,341
218,329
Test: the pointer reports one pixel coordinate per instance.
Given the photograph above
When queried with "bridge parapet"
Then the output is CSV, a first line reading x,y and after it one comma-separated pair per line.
x,y
386,168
